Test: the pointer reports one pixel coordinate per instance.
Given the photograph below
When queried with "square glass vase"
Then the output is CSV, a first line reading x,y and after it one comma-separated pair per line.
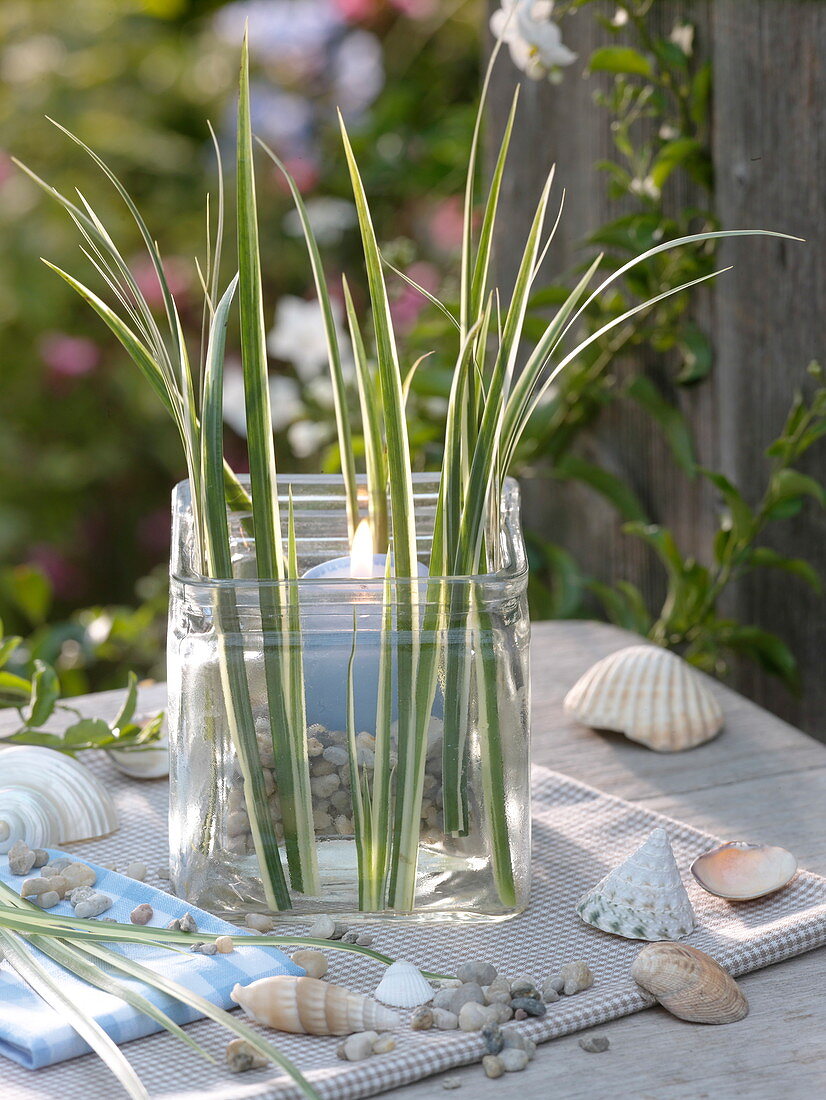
x,y
348,745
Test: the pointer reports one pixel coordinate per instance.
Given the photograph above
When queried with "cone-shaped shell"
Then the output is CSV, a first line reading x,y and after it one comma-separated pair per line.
x,y
689,984
308,1006
404,986
48,799
739,871
650,695
642,899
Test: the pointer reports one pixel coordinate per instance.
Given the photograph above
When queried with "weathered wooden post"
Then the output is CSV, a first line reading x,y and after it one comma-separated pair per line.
x,y
765,318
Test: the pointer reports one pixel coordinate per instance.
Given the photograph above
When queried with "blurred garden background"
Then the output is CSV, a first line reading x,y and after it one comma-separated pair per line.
x,y
650,498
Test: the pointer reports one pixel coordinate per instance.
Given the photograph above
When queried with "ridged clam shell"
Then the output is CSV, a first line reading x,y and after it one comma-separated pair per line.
x,y
642,899
689,984
308,1006
739,871
650,695
404,986
48,799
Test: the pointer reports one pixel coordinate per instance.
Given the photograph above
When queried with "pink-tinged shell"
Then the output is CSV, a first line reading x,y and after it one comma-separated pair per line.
x,y
308,1006
739,871
689,984
650,695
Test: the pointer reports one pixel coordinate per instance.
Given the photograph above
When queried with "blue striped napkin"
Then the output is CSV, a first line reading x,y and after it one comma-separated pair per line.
x,y
35,1035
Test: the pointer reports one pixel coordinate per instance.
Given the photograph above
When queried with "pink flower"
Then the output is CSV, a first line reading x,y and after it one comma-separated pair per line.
x,y
361,11
154,532
446,224
416,9
177,272
405,309
356,11
304,171
69,357
67,581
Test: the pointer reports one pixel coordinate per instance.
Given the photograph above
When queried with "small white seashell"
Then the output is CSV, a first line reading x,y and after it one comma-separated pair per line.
x,y
739,871
650,695
144,763
309,1006
48,799
689,984
642,899
314,963
404,986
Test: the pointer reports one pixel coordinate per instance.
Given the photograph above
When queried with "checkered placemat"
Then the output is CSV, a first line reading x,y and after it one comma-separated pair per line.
x,y
578,833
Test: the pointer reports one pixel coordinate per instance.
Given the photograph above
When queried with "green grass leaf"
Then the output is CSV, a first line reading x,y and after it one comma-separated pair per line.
x,y
45,986
345,439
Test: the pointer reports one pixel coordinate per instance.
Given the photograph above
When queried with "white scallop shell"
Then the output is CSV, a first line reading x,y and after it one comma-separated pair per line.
x,y
404,986
308,1006
642,899
144,763
650,695
48,799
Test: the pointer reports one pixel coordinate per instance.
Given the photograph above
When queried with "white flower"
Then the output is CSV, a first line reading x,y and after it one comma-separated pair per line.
x,y
534,40
646,188
329,217
298,336
306,436
234,409
357,72
285,400
320,390
683,37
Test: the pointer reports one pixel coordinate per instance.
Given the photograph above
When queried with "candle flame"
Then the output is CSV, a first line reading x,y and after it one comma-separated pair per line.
x,y
361,552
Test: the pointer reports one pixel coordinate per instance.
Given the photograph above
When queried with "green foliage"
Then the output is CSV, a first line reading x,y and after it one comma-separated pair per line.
x,y
36,701
138,84
690,620
658,104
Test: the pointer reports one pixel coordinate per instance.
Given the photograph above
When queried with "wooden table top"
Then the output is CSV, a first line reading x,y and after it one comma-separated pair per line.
x,y
760,780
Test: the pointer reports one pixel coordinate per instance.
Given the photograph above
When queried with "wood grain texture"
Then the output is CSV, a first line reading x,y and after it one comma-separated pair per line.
x,y
764,318
770,156
759,780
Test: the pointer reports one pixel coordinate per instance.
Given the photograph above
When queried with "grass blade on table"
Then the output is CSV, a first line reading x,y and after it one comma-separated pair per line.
x,y
33,920
39,979
72,958
154,979
299,834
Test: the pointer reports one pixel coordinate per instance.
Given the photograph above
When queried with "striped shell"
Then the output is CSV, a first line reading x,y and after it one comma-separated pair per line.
x,y
48,799
689,984
650,695
642,899
308,1006
404,986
